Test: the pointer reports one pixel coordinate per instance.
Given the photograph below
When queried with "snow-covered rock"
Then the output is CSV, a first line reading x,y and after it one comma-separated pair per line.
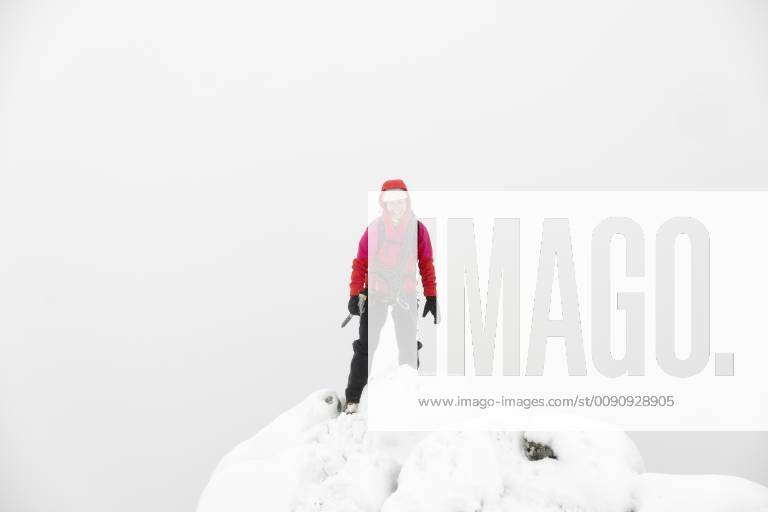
x,y
490,471
334,466
312,459
286,430
700,493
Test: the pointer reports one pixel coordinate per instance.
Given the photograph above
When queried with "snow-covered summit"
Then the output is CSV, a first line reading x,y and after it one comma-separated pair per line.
x,y
314,459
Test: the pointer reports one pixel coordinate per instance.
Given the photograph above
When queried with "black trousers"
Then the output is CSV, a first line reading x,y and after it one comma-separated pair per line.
x,y
371,322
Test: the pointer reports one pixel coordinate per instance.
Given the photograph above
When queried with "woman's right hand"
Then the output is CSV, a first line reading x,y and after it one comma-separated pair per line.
x,y
354,305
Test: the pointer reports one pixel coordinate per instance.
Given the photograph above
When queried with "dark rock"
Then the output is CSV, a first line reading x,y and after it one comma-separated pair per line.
x,y
537,451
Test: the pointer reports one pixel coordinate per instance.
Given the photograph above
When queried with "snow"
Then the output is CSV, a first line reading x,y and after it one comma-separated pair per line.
x,y
286,430
489,471
335,465
314,459
700,493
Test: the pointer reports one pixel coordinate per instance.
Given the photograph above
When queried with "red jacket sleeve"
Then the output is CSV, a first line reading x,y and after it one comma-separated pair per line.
x,y
359,277
426,262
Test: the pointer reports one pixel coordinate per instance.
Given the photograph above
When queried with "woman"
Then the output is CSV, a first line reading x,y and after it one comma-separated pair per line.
x,y
384,271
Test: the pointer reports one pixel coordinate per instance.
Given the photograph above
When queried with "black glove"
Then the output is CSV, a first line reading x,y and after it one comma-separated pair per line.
x,y
430,307
354,305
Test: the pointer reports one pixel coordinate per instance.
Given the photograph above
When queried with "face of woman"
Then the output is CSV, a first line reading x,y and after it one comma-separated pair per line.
x,y
397,208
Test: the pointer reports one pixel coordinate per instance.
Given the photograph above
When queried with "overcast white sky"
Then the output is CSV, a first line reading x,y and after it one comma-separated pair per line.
x,y
182,188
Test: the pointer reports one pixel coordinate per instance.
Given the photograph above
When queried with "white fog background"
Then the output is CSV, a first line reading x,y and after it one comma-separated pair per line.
x,y
183,185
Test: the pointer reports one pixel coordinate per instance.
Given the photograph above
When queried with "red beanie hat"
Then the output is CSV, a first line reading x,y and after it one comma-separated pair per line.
x,y
393,185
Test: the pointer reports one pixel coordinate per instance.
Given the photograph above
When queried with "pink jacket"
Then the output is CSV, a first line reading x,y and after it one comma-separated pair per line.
x,y
387,254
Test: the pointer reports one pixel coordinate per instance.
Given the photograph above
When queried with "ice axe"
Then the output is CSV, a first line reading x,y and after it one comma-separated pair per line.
x,y
360,307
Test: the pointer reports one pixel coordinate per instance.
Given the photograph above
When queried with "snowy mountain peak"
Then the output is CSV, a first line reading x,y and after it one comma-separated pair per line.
x,y
314,459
